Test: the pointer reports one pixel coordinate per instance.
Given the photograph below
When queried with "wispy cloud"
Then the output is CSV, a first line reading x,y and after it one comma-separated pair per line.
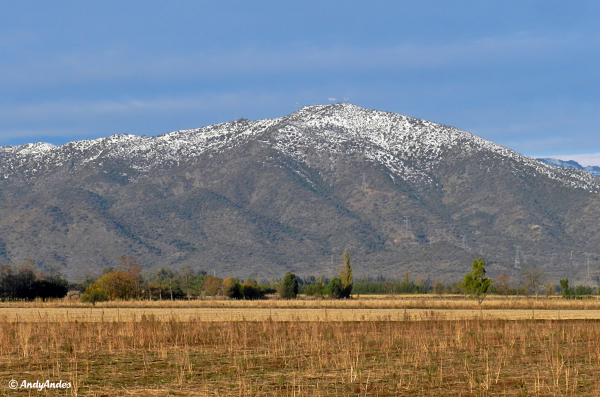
x,y
33,132
93,118
122,63
539,127
85,109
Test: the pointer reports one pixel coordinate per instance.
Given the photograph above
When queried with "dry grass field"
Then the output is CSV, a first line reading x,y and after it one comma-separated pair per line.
x,y
362,302
362,347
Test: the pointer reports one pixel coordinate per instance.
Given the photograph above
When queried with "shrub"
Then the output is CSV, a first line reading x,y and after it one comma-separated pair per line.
x,y
438,288
335,289
232,288
93,294
251,291
314,289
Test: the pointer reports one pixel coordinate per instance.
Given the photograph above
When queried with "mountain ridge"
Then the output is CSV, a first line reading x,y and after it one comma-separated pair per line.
x,y
592,169
268,196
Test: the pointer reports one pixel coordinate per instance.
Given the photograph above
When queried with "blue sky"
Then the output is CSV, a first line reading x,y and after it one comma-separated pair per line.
x,y
524,74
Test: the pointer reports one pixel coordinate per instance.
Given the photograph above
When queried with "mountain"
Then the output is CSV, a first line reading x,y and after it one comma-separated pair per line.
x,y
592,169
264,197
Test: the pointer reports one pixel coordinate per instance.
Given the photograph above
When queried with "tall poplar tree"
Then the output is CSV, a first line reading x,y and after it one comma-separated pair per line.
x,y
346,275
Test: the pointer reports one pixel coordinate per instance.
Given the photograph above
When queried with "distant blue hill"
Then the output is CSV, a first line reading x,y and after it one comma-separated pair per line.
x,y
592,169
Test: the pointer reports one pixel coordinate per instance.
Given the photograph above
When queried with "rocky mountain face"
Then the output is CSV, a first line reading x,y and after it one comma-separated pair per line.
x,y
592,169
259,198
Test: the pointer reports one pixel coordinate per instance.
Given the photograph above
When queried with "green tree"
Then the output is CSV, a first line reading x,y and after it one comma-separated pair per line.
x,y
476,285
346,275
567,292
288,287
335,288
316,288
582,290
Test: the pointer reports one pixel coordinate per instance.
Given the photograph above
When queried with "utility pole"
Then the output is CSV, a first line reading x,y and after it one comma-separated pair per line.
x,y
588,264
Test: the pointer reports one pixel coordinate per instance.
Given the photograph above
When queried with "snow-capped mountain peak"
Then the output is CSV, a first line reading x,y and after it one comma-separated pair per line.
x,y
410,148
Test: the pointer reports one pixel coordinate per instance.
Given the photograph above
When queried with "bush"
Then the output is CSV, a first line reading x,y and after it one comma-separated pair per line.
x,y
232,288
93,294
336,290
252,292
388,287
438,288
314,289
583,290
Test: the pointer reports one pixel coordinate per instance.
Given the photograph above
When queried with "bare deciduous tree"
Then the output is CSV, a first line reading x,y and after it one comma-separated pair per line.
x,y
534,278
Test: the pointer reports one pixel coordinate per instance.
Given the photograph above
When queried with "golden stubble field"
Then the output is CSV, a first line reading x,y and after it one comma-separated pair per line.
x,y
402,346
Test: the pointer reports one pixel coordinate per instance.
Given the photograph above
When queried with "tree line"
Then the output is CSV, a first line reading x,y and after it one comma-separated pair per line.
x,y
126,281
477,285
24,282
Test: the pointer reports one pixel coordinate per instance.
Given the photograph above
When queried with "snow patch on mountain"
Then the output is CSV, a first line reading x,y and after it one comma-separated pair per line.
x,y
592,169
409,148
